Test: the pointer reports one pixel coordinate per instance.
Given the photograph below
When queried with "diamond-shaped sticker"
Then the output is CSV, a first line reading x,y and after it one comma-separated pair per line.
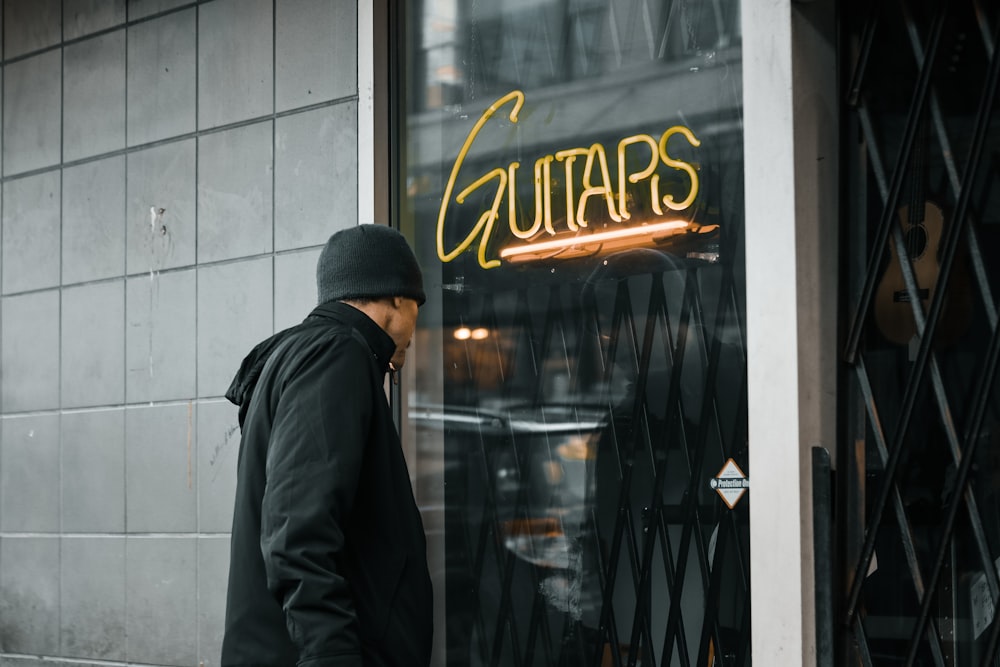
x,y
731,483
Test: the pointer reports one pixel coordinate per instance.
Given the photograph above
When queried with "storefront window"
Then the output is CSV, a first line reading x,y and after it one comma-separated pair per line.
x,y
571,175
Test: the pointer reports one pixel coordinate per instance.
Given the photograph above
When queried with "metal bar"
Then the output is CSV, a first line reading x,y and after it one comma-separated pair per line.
x,y
710,620
910,282
975,520
983,118
537,612
918,367
620,317
862,642
984,28
823,555
905,534
658,306
945,412
982,393
743,649
509,560
940,130
609,629
692,521
889,212
680,638
640,419
992,643
867,39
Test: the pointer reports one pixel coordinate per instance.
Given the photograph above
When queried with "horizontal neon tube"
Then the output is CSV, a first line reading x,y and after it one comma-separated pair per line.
x,y
588,239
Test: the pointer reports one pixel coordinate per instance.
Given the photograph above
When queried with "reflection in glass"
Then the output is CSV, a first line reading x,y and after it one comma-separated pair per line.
x,y
573,187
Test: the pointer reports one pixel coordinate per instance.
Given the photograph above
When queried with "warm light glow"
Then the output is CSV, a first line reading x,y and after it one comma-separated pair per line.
x,y
480,333
463,333
586,167
589,240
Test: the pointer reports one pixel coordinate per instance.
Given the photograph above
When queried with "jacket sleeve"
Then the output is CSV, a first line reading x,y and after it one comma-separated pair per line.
x,y
321,425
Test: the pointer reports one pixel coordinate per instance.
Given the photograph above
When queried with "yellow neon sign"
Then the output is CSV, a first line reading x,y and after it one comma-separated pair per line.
x,y
595,179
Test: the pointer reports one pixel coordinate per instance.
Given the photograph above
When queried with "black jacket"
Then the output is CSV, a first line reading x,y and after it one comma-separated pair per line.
x,y
328,563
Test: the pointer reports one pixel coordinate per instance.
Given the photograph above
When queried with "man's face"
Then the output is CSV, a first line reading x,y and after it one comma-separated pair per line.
x,y
400,327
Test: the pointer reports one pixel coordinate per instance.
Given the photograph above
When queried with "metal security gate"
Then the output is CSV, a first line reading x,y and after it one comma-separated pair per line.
x,y
919,490
645,565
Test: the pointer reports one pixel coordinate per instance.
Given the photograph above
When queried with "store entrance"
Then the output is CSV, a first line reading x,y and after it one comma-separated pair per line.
x,y
919,492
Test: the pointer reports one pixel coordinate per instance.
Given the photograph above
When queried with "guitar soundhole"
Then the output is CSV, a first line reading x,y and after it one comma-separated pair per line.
x,y
916,241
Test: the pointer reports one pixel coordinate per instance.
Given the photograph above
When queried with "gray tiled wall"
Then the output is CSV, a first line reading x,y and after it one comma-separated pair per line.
x,y
170,170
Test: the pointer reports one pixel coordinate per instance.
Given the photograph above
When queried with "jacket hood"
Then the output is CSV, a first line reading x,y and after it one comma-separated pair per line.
x,y
241,388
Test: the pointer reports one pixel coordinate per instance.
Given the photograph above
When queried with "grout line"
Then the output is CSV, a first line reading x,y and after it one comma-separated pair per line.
x,y
134,405
97,33
181,137
62,157
81,535
197,301
174,269
274,163
3,301
125,365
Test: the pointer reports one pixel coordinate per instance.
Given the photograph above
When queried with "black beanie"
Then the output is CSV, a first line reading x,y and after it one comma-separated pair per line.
x,y
368,261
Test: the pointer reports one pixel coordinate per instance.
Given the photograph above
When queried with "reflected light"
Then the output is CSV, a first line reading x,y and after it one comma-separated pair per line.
x,y
465,333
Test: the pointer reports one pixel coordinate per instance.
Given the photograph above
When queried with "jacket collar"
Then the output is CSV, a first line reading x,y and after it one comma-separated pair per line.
x,y
379,342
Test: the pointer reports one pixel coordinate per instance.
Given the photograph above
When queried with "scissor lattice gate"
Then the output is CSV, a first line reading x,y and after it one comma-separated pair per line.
x,y
920,463
645,564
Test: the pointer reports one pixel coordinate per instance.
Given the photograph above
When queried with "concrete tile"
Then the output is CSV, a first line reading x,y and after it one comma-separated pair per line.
x,y
94,96
315,175
161,607
31,232
93,465
138,9
83,17
160,337
294,287
93,207
29,474
235,61
213,578
161,77
218,448
160,218
314,41
93,345
93,598
30,25
234,314
29,595
160,464
32,103
30,351
235,193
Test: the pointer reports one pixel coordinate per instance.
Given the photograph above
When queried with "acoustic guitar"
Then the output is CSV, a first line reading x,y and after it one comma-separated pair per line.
x,y
922,224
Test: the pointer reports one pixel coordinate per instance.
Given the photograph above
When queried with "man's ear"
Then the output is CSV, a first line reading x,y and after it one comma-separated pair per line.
x,y
397,301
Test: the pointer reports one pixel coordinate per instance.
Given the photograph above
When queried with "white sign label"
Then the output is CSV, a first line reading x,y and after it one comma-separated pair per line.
x,y
982,602
731,483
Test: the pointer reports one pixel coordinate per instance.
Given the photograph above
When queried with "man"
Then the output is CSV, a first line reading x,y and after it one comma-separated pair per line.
x,y
328,564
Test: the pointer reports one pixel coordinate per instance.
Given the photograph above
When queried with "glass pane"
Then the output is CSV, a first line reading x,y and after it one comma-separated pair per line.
x,y
571,176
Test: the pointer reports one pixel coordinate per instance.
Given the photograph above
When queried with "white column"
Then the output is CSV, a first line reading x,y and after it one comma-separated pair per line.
x,y
790,152
374,87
